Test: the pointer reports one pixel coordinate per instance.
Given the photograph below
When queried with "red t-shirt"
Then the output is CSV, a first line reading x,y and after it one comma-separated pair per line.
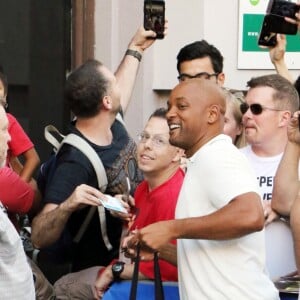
x,y
15,194
20,142
154,206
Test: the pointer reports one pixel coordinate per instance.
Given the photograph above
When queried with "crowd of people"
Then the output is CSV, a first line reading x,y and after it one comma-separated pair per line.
x,y
209,177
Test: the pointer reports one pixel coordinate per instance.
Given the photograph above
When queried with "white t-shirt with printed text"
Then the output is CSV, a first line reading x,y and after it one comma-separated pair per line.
x,y
280,259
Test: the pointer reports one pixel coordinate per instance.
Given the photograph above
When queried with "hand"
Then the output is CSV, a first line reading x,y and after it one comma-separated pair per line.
x,y
82,196
293,129
297,20
277,52
270,214
153,236
127,204
102,282
146,254
143,39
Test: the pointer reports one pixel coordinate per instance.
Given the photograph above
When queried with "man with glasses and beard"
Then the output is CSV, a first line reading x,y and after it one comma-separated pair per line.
x,y
269,104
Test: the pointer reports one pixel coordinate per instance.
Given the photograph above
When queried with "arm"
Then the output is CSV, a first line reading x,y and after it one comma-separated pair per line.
x,y
277,57
295,225
15,164
128,68
286,181
220,225
32,160
167,252
21,144
48,225
106,278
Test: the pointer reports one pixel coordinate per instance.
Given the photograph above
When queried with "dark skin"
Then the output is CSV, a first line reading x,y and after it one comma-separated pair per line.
x,y
188,101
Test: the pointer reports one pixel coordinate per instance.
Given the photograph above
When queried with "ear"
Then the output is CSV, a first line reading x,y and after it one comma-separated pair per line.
x,y
285,117
221,79
240,129
179,155
107,102
214,112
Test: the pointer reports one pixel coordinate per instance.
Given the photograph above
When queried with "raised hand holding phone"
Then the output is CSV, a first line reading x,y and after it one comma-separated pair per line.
x,y
276,21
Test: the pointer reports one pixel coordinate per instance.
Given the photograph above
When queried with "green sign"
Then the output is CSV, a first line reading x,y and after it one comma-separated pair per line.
x,y
251,29
254,2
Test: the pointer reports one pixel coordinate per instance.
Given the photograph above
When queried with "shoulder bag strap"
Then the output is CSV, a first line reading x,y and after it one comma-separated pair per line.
x,y
158,287
159,292
135,276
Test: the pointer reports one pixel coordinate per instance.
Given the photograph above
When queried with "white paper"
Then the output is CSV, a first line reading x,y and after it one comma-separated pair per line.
x,y
113,204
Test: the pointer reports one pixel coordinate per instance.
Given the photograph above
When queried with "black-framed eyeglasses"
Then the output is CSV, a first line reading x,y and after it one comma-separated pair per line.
x,y
201,75
255,108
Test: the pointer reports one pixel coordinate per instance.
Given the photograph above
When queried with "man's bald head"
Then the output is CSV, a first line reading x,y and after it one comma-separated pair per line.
x,y
196,113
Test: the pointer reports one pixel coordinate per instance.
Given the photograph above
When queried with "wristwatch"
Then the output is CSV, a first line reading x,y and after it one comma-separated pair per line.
x,y
117,268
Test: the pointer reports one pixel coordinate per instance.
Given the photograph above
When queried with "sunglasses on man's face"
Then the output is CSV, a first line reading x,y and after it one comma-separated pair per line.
x,y
255,108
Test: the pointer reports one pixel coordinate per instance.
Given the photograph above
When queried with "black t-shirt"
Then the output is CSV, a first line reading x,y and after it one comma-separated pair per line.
x,y
72,169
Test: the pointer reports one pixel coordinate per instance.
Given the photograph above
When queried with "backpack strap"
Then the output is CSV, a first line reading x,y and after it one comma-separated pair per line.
x,y
48,133
79,143
120,119
76,141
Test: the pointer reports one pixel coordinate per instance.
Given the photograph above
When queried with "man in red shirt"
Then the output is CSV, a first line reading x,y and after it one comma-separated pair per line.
x,y
155,197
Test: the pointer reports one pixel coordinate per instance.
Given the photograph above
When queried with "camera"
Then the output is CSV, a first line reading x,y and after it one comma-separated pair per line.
x,y
282,8
154,17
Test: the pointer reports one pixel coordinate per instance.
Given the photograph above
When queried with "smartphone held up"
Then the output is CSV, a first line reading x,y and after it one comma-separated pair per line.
x,y
274,21
154,17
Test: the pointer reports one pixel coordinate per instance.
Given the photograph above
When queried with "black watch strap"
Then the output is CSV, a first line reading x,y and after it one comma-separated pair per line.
x,y
117,268
134,53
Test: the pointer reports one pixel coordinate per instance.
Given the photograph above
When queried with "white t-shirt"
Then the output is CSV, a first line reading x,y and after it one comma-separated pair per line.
x,y
16,279
265,169
280,259
220,269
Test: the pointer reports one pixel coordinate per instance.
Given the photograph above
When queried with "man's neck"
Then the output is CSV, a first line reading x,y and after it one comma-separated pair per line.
x,y
155,179
96,129
268,149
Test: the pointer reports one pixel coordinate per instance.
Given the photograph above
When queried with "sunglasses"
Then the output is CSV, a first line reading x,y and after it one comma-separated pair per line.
x,y
255,108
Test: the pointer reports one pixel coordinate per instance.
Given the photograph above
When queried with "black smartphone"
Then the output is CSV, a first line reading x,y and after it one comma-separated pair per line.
x,y
282,8
271,25
154,16
267,39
